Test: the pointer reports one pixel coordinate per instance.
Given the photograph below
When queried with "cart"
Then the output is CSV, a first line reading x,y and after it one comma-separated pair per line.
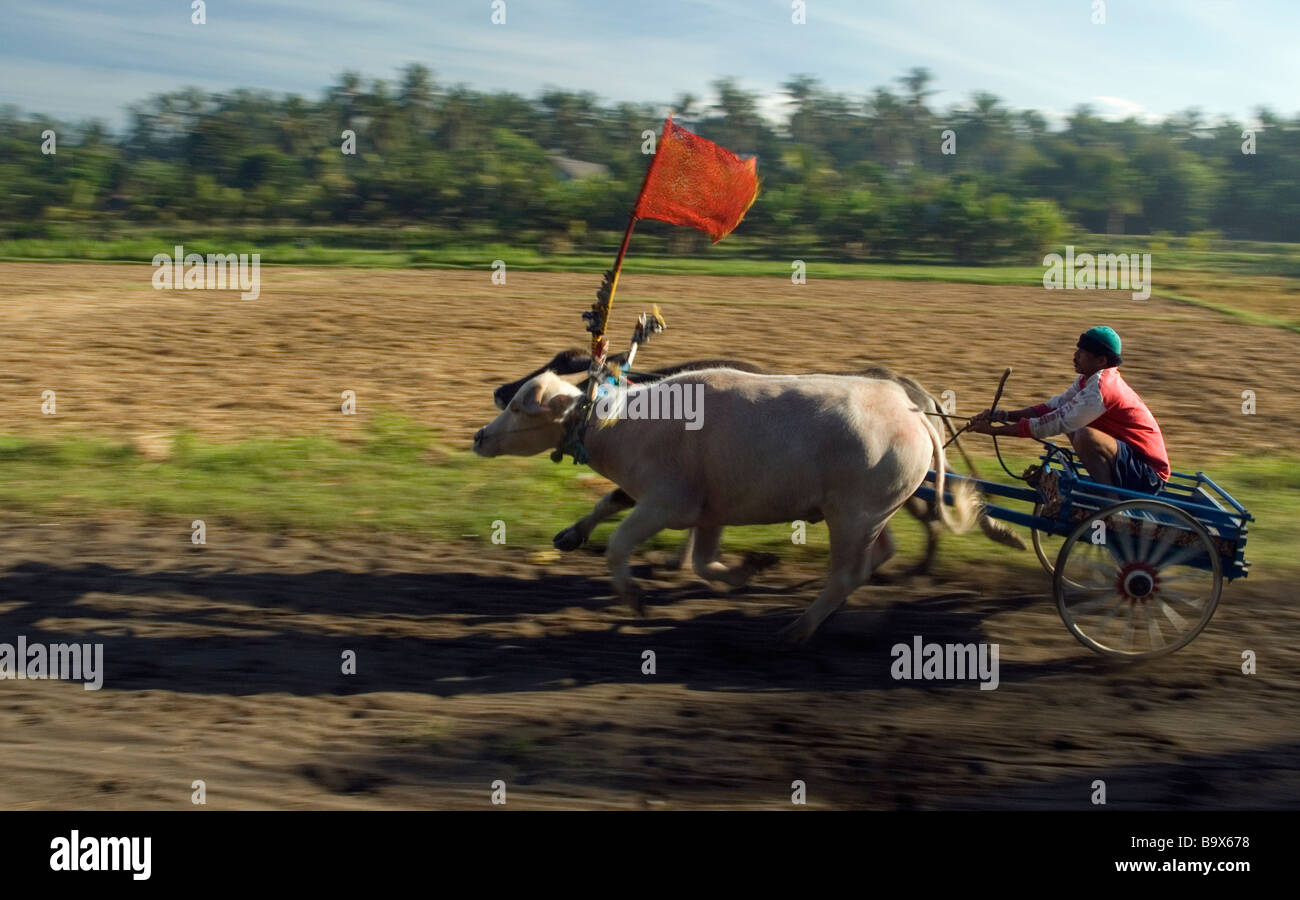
x,y
1135,575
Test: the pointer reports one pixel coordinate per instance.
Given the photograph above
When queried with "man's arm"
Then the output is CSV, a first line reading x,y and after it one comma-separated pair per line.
x,y
1082,408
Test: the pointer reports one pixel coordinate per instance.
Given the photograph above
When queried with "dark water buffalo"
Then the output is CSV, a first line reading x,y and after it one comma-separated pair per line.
x,y
575,361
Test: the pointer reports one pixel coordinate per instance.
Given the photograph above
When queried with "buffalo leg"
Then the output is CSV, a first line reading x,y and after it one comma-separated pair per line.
x,y
684,552
609,505
882,549
921,510
852,558
644,522
708,567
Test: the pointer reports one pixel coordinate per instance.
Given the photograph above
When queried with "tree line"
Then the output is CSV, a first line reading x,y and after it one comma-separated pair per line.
x,y
881,175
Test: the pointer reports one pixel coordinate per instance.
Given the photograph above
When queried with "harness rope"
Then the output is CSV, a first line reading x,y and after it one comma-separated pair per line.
x,y
1065,453
578,419
575,430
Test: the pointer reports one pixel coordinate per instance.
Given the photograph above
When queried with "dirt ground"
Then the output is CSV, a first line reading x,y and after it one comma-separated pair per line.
x,y
223,662
125,358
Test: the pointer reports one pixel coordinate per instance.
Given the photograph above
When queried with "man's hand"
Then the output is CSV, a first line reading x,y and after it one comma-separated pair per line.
x,y
988,415
983,426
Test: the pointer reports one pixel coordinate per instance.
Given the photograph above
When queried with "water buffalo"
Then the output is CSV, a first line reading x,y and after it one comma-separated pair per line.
x,y
575,361
775,448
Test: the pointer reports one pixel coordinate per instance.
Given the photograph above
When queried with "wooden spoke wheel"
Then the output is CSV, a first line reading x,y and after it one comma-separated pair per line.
x,y
1137,580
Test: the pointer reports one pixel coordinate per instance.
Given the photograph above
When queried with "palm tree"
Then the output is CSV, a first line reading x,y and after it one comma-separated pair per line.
x,y
685,108
917,115
888,129
801,90
343,98
415,98
740,128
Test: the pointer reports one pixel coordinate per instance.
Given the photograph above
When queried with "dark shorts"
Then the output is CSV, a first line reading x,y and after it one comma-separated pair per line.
x,y
1133,472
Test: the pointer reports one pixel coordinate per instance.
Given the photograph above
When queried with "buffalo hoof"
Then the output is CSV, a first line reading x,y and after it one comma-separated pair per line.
x,y
674,562
797,633
568,539
635,598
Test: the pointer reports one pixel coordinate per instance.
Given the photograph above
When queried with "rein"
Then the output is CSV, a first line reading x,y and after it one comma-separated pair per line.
x,y
997,449
1006,373
1048,444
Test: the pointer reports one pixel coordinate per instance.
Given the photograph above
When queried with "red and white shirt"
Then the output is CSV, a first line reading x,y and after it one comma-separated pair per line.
x,y
1104,401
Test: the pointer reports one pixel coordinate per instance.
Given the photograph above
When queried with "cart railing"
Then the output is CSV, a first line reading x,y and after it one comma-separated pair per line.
x,y
1214,508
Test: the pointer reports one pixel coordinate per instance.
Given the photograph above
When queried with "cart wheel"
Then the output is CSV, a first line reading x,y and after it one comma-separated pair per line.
x,y
1137,580
1048,546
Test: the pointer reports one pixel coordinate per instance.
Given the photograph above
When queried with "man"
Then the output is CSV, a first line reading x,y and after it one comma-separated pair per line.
x,y
1110,428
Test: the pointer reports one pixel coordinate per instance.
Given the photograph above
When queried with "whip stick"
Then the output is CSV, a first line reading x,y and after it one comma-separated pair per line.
x,y
998,396
1006,373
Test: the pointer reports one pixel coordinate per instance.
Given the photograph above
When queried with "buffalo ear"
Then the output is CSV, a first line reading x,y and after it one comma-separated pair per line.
x,y
560,405
530,397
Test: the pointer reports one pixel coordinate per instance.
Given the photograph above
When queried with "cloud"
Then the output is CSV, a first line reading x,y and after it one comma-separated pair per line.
x,y
1177,53
1119,108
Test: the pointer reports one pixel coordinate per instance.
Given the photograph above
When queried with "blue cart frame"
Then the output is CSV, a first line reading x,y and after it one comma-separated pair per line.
x,y
1152,564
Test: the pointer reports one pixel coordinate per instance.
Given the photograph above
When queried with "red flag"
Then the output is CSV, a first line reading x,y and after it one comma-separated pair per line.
x,y
693,181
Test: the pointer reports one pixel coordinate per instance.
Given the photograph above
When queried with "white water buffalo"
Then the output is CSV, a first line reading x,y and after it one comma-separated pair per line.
x,y
773,448
577,362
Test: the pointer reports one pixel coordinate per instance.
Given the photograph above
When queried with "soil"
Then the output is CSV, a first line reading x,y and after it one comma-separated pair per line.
x,y
224,662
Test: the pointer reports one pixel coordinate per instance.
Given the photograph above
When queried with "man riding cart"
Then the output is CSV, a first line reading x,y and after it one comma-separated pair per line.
x,y
1112,431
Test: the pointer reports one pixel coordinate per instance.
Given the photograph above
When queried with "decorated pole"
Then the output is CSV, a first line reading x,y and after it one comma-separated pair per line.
x,y
691,181
600,310
622,251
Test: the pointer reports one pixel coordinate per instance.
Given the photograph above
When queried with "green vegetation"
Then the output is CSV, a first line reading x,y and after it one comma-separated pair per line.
x,y
397,479
400,478
140,248
1250,317
426,247
848,177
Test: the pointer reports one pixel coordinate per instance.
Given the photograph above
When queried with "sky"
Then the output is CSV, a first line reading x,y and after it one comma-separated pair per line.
x,y
1151,58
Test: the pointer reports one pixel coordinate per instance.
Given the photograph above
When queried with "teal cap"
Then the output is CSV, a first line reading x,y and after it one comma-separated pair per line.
x,y
1103,341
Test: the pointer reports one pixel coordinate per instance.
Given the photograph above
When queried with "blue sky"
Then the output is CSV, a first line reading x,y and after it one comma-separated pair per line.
x,y
1152,57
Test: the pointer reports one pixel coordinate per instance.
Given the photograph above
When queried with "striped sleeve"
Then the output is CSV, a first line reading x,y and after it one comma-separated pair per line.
x,y
1077,407
1060,399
